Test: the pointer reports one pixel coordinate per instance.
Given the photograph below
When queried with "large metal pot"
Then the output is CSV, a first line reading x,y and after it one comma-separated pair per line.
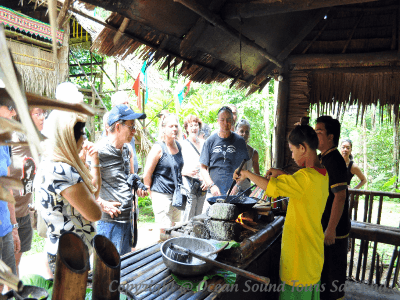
x,y
196,245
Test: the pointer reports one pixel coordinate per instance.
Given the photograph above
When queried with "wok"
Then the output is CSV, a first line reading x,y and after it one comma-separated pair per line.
x,y
243,203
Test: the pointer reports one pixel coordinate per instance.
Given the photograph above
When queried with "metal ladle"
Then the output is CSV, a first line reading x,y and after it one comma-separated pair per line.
x,y
250,275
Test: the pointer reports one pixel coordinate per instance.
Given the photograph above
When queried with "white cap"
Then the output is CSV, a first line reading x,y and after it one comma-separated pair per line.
x,y
120,97
68,92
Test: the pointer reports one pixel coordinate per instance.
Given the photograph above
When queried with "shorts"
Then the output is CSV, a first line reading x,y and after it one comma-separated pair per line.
x,y
7,251
164,213
300,293
25,232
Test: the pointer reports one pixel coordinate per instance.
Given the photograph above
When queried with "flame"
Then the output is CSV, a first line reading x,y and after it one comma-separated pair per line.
x,y
241,218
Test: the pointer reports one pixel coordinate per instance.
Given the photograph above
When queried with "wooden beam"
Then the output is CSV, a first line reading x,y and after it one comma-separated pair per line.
x,y
81,75
218,22
358,70
85,64
264,8
398,28
353,58
155,47
62,15
281,117
317,36
188,43
352,33
21,37
121,30
296,41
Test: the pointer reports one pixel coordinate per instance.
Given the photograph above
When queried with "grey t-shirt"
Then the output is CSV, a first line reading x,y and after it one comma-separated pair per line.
x,y
223,157
115,168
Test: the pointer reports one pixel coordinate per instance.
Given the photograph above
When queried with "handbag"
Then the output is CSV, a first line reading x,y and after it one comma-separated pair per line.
x,y
179,198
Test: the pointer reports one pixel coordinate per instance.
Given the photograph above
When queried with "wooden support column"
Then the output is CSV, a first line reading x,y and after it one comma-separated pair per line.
x,y
281,118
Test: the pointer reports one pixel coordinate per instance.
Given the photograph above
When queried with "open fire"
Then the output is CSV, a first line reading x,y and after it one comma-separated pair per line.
x,y
246,217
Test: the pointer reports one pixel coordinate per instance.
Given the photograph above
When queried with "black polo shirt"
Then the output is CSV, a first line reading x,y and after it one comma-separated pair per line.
x,y
336,167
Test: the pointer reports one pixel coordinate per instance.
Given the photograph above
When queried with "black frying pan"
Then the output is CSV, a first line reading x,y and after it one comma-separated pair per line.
x,y
243,202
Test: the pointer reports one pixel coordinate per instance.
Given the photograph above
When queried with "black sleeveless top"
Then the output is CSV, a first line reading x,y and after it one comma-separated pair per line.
x,y
349,175
162,178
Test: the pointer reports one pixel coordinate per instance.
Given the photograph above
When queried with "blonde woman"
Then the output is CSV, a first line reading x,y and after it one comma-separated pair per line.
x,y
65,188
158,174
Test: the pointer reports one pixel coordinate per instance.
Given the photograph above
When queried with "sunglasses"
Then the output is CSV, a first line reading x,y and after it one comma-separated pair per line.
x,y
131,128
11,107
39,115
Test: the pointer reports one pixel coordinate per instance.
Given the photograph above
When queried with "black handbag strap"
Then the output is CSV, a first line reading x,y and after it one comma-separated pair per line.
x,y
194,147
169,157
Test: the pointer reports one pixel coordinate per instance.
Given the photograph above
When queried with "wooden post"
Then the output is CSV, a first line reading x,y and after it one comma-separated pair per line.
x,y
281,117
116,75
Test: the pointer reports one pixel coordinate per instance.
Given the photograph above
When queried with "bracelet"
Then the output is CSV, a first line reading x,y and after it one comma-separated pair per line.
x,y
211,185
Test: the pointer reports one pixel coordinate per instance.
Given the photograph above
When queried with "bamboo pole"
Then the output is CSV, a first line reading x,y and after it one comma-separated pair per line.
x,y
72,268
106,269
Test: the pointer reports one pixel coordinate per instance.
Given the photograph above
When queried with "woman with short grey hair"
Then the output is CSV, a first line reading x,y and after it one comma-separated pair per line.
x,y
243,128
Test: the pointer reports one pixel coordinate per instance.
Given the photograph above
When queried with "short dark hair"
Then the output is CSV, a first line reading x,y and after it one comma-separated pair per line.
x,y
303,134
225,108
332,126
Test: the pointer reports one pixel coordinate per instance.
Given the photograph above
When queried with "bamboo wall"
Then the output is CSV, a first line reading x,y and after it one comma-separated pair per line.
x,y
298,106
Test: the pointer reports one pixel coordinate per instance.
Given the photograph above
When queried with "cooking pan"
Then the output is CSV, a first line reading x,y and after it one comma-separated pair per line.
x,y
243,203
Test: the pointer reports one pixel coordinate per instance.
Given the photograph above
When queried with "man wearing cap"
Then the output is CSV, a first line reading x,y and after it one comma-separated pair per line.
x,y
121,97
116,163
9,239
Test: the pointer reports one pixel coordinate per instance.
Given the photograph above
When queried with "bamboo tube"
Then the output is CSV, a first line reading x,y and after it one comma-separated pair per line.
x,y
106,269
72,268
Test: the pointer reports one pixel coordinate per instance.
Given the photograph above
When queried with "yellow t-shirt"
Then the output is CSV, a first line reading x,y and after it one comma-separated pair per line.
x,y
302,254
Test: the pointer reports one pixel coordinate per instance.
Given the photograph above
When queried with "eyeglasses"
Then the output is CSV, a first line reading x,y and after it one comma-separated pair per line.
x,y
131,128
39,115
11,107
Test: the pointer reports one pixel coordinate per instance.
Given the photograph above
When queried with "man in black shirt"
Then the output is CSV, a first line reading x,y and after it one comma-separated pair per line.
x,y
335,219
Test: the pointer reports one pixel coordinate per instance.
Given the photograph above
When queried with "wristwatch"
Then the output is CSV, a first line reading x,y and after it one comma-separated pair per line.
x,y
15,225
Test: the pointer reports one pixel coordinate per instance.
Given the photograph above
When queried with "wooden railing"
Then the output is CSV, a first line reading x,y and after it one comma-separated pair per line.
x,y
372,233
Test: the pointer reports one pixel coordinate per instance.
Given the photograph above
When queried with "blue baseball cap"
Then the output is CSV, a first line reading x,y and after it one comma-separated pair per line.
x,y
123,112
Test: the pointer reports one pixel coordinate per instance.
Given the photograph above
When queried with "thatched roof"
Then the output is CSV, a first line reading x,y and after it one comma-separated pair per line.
x,y
245,42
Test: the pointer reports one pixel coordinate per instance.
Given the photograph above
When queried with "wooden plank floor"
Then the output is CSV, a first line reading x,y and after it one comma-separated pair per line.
x,y
360,291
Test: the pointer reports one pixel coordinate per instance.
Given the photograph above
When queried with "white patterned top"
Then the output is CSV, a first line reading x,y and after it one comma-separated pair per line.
x,y
57,212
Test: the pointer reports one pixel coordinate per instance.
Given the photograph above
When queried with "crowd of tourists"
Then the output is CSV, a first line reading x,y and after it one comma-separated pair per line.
x,y
93,189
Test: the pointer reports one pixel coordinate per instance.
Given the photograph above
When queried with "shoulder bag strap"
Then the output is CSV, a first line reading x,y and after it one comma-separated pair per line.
x,y
169,157
194,147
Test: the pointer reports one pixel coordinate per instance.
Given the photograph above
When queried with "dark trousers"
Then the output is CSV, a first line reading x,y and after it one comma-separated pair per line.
x,y
333,277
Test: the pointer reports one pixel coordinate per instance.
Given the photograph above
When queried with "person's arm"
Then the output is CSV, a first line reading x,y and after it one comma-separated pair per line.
x,y
93,155
79,196
13,219
151,163
356,171
336,214
139,191
256,165
260,181
208,181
